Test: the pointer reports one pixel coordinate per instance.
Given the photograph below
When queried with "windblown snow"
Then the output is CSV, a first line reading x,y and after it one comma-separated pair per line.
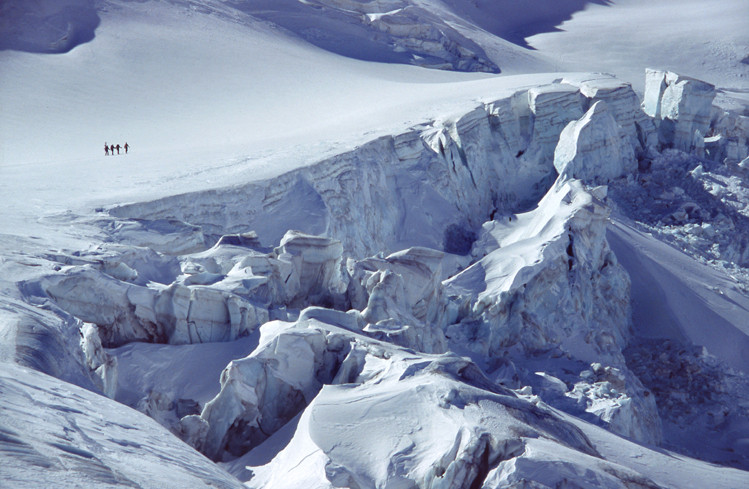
x,y
372,244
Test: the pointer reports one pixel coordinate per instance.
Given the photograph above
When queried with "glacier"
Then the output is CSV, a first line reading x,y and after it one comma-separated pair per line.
x,y
462,266
545,287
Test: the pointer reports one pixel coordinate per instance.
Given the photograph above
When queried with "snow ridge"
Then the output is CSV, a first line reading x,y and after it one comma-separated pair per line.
x,y
47,26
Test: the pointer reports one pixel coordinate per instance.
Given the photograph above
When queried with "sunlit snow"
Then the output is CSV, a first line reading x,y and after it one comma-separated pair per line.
x,y
374,244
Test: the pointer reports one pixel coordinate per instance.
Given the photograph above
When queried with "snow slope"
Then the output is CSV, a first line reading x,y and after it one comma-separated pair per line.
x,y
705,40
47,27
118,88
675,297
230,121
54,434
188,279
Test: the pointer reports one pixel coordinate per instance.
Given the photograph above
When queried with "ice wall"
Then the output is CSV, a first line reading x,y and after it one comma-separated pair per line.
x,y
680,107
546,278
595,148
432,186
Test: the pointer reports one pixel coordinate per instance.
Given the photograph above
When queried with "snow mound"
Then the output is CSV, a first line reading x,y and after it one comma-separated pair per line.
x,y
464,430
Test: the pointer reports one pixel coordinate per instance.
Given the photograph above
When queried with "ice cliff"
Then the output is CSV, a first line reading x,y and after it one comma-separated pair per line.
x,y
432,186
594,149
680,107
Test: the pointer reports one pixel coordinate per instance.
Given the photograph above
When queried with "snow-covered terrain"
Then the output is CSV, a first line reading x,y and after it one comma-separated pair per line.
x,y
706,40
374,244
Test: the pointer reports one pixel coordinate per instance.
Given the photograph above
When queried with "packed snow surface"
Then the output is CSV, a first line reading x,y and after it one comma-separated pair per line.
x,y
374,244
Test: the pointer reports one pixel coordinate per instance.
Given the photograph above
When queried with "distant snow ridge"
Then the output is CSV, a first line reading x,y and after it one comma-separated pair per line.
x,y
460,35
47,26
424,34
450,35
427,37
435,308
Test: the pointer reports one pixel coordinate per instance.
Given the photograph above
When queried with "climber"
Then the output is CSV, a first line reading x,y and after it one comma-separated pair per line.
x,y
118,148
126,147
106,150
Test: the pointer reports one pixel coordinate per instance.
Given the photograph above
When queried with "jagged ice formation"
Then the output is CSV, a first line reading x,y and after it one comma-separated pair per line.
x,y
461,269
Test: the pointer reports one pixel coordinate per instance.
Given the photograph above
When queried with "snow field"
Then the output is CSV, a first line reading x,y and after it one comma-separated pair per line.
x,y
331,272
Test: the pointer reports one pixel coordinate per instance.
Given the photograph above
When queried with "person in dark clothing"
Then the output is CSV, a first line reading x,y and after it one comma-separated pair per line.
x,y
106,150
111,148
126,147
118,149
